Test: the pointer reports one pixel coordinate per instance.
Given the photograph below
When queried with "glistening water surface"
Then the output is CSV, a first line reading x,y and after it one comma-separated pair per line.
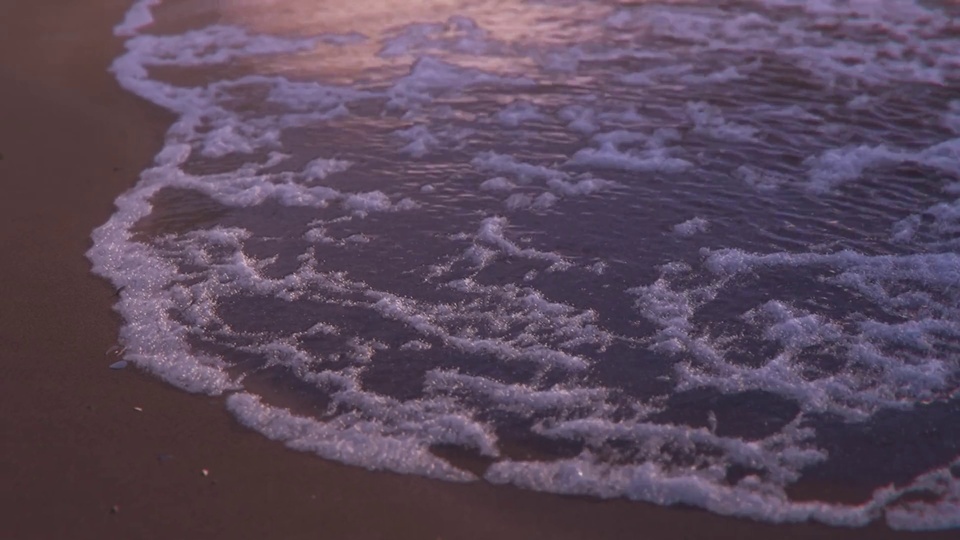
x,y
680,252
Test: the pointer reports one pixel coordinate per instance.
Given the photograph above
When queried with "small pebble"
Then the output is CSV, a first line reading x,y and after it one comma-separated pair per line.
x,y
115,509
138,409
119,365
205,472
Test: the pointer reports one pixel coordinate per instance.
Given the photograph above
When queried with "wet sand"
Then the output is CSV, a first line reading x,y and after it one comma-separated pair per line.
x,y
78,460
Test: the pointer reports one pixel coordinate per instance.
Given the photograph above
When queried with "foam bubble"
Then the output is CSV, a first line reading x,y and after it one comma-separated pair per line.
x,y
759,179
356,444
138,16
579,118
520,112
372,201
506,164
497,183
421,141
216,44
691,227
874,377
709,120
321,168
458,33
430,75
610,157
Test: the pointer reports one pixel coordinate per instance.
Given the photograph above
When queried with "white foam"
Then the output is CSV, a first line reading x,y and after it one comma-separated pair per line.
x,y
701,486
138,16
248,188
520,112
709,120
942,514
318,235
527,347
579,118
459,33
544,200
585,186
320,168
620,136
610,157
837,166
889,380
492,232
650,483
420,140
691,227
518,201
908,54
177,288
416,345
230,139
362,204
497,183
509,165
357,239
760,179
216,44
794,330
156,342
357,443
514,398
429,76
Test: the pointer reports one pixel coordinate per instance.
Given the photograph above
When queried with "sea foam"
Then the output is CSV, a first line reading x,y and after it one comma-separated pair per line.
x,y
667,252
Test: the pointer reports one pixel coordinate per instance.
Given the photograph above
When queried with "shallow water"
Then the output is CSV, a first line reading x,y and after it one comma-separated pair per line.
x,y
679,252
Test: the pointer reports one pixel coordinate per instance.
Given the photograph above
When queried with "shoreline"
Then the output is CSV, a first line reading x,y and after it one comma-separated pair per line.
x,y
81,462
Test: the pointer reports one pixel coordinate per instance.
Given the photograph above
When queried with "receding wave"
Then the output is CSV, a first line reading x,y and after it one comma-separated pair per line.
x,y
675,252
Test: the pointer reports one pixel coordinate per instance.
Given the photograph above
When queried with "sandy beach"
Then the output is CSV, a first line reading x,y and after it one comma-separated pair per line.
x,y
90,452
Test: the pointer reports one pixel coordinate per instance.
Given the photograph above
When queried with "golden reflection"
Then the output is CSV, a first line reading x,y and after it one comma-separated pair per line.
x,y
508,27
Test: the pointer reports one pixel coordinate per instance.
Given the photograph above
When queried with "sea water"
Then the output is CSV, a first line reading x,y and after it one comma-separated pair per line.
x,y
684,252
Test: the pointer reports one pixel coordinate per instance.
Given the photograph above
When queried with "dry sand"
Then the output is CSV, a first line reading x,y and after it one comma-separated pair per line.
x,y
72,444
